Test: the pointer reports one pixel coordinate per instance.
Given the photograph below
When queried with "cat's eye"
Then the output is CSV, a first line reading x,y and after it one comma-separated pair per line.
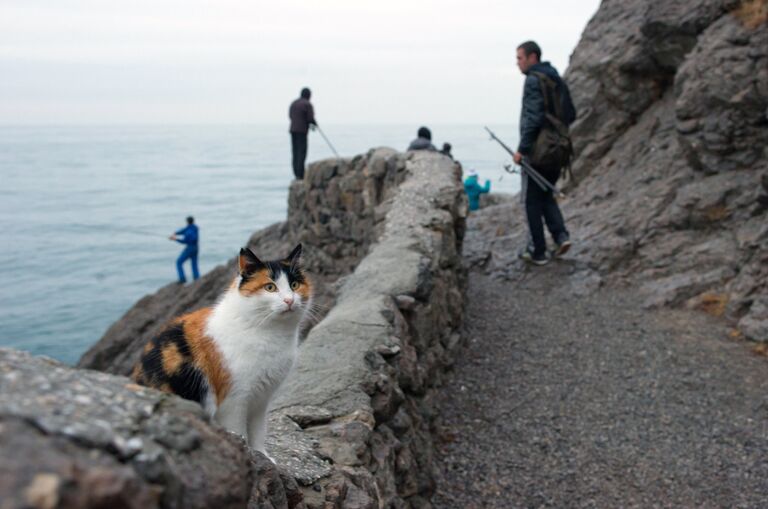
x,y
295,285
270,287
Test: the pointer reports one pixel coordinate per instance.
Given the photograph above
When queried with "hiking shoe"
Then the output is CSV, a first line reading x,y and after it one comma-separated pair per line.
x,y
562,248
527,256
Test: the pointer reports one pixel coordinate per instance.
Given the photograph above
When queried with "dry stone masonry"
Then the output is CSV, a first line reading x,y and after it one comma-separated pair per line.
x,y
362,394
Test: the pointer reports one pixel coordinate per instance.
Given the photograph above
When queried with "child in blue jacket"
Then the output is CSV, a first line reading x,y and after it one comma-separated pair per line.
x,y
474,189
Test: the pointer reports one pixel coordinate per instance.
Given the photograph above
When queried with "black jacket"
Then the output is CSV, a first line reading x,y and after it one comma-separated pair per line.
x,y
421,144
301,114
532,114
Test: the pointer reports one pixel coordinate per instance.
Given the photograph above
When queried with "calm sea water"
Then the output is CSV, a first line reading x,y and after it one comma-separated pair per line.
x,y
86,211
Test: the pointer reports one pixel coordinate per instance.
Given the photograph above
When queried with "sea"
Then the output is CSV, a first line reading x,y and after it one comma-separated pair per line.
x,y
87,210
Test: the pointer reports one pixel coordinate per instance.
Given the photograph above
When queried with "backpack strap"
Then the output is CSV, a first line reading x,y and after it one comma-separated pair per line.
x,y
549,86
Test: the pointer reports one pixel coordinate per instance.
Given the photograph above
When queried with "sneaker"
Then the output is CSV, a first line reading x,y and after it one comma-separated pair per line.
x,y
562,248
527,256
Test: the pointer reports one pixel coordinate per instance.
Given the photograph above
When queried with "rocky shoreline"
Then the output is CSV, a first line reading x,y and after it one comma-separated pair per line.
x,y
670,202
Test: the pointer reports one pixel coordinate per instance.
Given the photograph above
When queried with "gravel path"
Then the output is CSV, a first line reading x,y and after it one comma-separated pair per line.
x,y
566,401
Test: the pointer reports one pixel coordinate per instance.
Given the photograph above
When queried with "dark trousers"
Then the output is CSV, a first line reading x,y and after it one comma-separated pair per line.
x,y
539,203
299,149
189,253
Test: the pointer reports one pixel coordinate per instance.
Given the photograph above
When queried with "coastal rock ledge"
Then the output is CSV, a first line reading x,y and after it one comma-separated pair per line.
x,y
74,438
351,427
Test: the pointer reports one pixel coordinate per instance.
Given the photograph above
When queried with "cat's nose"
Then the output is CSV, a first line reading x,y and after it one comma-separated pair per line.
x,y
288,301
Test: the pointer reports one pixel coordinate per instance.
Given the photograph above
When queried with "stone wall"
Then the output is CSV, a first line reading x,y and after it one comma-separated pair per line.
x,y
361,398
383,236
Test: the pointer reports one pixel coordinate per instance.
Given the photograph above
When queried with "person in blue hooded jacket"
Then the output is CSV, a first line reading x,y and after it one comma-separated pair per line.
x,y
473,189
188,236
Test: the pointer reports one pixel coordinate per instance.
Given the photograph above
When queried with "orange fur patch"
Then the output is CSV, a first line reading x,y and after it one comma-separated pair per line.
x,y
305,290
256,282
148,347
205,355
172,359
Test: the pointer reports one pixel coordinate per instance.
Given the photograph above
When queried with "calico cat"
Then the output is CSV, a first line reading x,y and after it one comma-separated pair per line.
x,y
232,357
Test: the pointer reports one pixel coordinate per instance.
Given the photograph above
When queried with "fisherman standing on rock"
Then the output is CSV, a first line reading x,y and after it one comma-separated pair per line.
x,y
302,116
189,236
546,114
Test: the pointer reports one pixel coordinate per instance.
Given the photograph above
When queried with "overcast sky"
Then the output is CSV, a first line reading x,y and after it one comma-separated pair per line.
x,y
243,61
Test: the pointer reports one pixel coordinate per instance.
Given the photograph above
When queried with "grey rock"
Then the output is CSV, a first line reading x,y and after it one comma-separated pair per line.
x,y
82,439
405,302
755,323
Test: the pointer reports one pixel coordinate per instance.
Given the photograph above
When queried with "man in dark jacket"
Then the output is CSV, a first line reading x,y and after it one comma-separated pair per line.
x,y
302,116
423,140
537,201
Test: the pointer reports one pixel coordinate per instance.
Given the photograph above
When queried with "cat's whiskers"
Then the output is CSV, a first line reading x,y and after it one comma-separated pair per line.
x,y
266,317
314,315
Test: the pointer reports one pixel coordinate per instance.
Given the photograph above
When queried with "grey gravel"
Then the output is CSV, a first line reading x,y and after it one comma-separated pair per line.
x,y
566,400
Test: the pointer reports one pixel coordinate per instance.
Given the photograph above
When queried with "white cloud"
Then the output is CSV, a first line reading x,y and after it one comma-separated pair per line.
x,y
243,61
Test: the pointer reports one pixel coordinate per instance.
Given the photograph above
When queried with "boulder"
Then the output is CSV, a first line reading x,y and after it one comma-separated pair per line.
x,y
73,438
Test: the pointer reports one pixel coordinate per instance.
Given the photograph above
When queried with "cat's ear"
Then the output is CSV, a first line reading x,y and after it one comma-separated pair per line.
x,y
293,258
248,262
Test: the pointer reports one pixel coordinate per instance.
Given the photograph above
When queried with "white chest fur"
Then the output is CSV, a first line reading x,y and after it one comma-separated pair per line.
x,y
258,353
258,350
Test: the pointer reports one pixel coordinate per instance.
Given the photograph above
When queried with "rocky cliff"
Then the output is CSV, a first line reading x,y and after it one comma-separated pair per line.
x,y
672,145
672,158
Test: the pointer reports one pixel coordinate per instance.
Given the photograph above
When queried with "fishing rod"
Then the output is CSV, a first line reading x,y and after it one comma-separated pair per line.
x,y
539,178
327,141
543,183
116,229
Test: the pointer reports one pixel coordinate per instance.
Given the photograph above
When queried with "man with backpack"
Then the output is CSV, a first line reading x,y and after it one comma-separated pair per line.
x,y
544,143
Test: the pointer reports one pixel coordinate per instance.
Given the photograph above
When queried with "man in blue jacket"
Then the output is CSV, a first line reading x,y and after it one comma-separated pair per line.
x,y
473,189
189,237
538,202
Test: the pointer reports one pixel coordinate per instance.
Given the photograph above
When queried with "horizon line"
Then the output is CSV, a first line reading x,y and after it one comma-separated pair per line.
x,y
264,124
